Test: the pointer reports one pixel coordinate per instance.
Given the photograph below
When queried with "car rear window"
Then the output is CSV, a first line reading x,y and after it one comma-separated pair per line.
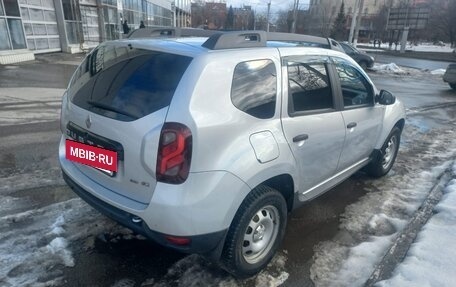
x,y
126,83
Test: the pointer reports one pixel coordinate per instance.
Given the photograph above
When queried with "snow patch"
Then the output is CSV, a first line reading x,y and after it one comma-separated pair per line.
x,y
32,243
193,270
369,226
59,246
431,260
57,226
388,68
439,72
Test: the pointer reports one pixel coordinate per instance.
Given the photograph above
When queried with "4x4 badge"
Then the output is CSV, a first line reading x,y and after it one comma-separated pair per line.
x,y
88,122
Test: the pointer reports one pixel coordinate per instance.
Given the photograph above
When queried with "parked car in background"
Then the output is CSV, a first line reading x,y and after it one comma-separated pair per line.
x,y
364,60
450,76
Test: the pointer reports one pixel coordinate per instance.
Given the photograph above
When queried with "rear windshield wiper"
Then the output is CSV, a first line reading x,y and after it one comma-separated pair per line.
x,y
112,109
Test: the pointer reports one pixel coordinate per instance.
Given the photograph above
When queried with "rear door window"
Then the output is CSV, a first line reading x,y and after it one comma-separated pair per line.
x,y
309,88
126,83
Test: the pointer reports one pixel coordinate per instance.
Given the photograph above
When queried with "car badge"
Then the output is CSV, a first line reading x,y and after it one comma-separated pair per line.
x,y
88,122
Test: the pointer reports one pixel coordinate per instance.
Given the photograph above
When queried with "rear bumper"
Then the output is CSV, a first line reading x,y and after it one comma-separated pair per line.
x,y
202,244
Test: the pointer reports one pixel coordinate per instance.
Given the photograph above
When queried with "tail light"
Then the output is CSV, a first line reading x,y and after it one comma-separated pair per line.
x,y
174,153
181,241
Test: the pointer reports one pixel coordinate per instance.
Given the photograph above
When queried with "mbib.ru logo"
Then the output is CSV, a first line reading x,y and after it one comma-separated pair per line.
x,y
90,155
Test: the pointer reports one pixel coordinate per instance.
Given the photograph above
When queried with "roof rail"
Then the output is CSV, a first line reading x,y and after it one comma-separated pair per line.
x,y
296,38
165,32
236,39
219,40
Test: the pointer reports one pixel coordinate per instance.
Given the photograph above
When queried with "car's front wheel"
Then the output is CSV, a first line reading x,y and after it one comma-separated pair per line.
x,y
384,159
255,233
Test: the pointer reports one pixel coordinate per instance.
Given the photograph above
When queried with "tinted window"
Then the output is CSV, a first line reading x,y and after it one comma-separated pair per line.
x,y
348,49
11,8
356,90
127,85
254,88
308,87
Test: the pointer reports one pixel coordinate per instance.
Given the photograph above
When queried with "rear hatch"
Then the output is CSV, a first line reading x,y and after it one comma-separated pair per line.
x,y
118,100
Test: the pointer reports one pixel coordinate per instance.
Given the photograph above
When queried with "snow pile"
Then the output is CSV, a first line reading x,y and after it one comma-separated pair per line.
x,y
439,72
431,260
59,246
428,47
369,226
388,68
35,244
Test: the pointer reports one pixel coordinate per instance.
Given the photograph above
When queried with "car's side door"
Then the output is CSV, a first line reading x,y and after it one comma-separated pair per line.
x,y
362,117
311,121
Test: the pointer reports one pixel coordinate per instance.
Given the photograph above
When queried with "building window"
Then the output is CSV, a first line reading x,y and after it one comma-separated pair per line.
x,y
11,29
40,24
4,36
11,8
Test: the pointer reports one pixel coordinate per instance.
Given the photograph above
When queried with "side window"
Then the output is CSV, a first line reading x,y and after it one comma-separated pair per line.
x,y
356,90
308,87
254,88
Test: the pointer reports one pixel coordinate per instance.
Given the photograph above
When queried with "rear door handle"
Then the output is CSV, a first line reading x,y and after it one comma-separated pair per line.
x,y
300,138
351,125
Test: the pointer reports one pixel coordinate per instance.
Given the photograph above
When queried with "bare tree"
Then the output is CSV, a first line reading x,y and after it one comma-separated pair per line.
x,y
261,21
321,18
442,21
284,21
379,23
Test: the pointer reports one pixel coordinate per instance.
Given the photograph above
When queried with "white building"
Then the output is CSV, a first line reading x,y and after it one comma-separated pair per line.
x,y
28,27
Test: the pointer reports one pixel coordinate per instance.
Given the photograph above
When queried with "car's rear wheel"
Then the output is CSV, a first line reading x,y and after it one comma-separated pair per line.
x,y
255,233
384,159
453,86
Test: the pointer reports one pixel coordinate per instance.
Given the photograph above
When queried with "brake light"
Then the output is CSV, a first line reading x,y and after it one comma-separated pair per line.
x,y
174,153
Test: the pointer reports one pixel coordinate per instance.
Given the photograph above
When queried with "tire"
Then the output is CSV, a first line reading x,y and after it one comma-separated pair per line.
x,y
453,86
255,233
384,159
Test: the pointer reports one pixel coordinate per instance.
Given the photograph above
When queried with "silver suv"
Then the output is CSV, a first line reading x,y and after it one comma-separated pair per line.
x,y
208,143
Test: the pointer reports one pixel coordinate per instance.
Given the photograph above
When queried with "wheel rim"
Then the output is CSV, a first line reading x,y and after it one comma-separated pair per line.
x,y
390,150
260,234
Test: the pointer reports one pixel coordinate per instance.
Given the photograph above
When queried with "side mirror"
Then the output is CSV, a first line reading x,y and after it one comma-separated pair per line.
x,y
385,98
